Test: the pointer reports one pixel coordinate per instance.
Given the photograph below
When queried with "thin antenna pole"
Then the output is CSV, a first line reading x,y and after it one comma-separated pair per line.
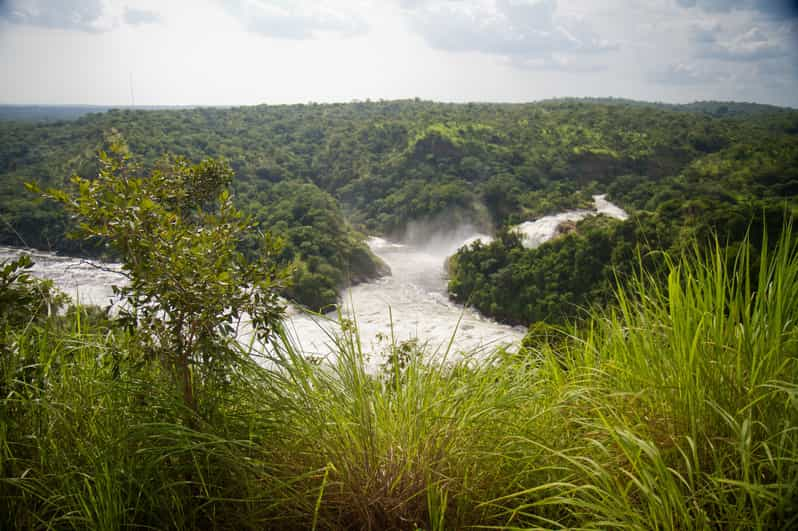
x,y
132,96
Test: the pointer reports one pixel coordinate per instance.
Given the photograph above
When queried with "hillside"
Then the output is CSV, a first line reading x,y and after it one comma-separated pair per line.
x,y
321,176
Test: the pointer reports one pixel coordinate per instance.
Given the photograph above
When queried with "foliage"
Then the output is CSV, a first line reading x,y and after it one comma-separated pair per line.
x,y
740,189
687,394
378,166
521,286
675,408
177,233
23,298
324,252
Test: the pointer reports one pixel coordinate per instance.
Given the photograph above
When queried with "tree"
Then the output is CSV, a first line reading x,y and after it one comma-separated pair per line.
x,y
23,298
177,233
501,194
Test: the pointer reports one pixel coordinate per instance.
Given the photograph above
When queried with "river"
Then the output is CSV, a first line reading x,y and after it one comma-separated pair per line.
x,y
410,304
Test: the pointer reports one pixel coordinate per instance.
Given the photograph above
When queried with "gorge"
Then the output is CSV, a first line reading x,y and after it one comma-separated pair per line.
x,y
410,304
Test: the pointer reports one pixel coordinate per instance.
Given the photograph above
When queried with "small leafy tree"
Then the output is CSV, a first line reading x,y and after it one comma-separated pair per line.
x,y
177,233
24,298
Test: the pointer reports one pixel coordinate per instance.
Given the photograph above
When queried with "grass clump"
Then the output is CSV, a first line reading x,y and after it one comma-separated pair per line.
x,y
420,445
676,408
688,398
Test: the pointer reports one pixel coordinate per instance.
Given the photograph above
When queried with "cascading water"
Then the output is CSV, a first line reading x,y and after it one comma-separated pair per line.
x,y
608,209
409,304
536,232
86,281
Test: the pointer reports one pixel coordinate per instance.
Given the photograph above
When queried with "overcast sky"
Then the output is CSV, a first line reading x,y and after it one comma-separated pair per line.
x,y
236,52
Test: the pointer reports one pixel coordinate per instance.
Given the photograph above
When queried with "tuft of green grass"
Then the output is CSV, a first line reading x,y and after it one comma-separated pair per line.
x,y
687,404
420,444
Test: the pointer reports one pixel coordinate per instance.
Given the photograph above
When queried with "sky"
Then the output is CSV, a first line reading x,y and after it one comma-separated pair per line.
x,y
242,52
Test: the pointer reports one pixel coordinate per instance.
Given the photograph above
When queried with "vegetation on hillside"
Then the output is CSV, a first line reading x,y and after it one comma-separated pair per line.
x,y
751,184
318,172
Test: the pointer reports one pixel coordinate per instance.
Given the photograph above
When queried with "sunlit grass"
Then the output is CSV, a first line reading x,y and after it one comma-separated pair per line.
x,y
688,399
675,408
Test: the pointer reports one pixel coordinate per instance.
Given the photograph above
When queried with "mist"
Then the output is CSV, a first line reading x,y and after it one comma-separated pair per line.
x,y
442,235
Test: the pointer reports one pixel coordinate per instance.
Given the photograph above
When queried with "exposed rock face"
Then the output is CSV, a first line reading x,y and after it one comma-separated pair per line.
x,y
366,266
566,227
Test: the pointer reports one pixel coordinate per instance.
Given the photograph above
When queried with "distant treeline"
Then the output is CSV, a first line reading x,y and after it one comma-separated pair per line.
x,y
55,113
718,109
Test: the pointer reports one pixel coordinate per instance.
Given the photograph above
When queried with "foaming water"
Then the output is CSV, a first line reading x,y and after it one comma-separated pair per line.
x,y
609,209
534,233
410,304
85,281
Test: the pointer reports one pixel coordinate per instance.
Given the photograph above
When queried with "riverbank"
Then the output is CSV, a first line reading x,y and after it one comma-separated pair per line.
x,y
409,305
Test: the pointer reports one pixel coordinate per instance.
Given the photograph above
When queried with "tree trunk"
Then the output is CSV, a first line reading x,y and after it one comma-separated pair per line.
x,y
183,367
184,371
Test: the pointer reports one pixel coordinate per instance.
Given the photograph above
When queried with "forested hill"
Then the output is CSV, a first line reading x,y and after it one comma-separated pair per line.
x,y
321,176
718,109
55,113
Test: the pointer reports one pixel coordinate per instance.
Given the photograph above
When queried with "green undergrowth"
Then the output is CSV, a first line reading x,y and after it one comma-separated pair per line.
x,y
675,408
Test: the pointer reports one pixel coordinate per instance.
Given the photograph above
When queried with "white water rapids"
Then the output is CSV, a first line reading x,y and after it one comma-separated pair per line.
x,y
409,304
536,232
86,281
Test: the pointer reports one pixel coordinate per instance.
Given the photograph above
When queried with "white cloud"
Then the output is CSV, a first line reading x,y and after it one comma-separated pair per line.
x,y
81,15
528,33
282,51
296,20
752,44
777,9
559,63
138,17
688,74
90,16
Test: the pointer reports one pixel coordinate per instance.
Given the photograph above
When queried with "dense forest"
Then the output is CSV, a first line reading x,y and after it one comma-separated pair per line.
x,y
57,113
319,177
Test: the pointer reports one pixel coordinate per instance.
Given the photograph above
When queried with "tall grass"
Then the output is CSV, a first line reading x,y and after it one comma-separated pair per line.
x,y
676,408
689,398
422,444
91,440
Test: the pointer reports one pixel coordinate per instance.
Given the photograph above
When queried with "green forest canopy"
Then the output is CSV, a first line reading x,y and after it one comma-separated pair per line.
x,y
322,176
